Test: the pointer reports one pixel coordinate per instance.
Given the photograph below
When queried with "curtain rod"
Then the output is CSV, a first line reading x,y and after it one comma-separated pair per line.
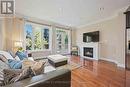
x,y
47,24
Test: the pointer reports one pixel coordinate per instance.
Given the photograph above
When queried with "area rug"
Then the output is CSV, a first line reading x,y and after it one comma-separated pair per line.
x,y
71,66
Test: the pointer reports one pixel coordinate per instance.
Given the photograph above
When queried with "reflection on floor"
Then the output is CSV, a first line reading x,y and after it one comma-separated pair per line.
x,y
99,74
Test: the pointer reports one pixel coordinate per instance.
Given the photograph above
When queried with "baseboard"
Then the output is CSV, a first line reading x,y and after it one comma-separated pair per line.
x,y
110,60
121,65
114,61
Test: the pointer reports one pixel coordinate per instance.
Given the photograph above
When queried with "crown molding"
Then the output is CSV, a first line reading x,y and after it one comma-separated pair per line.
x,y
122,10
51,23
98,21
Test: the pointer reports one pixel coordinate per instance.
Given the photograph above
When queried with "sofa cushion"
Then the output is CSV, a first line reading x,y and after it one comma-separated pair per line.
x,y
14,64
21,55
49,68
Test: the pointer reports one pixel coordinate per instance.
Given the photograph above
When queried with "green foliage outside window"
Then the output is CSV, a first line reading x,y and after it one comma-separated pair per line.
x,y
37,38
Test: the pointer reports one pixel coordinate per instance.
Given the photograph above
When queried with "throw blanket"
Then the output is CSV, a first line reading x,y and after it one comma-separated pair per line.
x,y
14,75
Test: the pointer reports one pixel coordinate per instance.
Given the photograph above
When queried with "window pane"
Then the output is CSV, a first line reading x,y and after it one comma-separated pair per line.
x,y
45,38
62,40
37,38
59,39
29,33
66,41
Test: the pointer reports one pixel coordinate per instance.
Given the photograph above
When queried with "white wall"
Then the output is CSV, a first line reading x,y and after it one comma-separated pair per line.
x,y
112,38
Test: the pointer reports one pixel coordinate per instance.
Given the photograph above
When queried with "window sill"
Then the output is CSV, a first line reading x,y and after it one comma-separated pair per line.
x,y
30,51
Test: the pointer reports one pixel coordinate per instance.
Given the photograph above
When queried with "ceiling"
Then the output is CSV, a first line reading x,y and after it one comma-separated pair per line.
x,y
70,12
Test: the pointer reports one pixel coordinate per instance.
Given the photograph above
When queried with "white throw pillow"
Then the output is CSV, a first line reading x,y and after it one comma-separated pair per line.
x,y
30,58
17,58
6,54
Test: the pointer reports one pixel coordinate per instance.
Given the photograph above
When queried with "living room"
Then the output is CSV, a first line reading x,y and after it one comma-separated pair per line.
x,y
64,43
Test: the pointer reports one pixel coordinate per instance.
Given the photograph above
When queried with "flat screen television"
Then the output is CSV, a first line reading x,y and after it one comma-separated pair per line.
x,y
91,37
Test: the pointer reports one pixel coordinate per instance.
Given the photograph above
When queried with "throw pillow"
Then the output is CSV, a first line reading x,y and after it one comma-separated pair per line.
x,y
37,67
21,55
3,58
1,78
11,53
14,64
30,58
17,58
6,54
3,65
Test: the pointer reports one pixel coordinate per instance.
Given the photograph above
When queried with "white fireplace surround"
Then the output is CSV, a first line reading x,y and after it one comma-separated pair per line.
x,y
93,45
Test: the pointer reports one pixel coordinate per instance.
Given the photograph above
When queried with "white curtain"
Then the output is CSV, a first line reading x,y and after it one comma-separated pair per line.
x,y
2,34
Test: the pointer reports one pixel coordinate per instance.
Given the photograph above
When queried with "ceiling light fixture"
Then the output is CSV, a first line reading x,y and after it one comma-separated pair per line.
x,y
101,9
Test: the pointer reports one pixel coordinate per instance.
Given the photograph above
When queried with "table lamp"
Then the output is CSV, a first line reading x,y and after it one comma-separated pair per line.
x,y
17,45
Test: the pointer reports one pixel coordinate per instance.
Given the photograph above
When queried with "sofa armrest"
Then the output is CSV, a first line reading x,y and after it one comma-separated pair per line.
x,y
57,78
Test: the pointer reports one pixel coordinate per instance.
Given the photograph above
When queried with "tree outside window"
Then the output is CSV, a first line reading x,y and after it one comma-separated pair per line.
x,y
37,37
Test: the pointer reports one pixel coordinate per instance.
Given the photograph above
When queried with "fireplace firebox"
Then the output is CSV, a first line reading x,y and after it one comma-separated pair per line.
x,y
88,52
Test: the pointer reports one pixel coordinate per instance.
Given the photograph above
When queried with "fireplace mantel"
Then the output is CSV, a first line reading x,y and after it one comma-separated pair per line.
x,y
95,47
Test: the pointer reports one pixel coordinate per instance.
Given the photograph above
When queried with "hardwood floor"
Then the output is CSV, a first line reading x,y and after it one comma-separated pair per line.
x,y
99,74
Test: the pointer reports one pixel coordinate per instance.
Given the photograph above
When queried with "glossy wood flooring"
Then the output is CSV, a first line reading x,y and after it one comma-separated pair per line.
x,y
99,74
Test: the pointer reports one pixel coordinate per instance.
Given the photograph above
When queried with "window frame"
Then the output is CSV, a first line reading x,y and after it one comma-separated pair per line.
x,y
68,32
44,27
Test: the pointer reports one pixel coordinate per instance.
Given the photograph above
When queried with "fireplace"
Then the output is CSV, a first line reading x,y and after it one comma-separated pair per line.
x,y
88,52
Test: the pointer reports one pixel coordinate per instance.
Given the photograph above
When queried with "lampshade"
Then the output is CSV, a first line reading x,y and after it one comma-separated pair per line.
x,y
17,44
